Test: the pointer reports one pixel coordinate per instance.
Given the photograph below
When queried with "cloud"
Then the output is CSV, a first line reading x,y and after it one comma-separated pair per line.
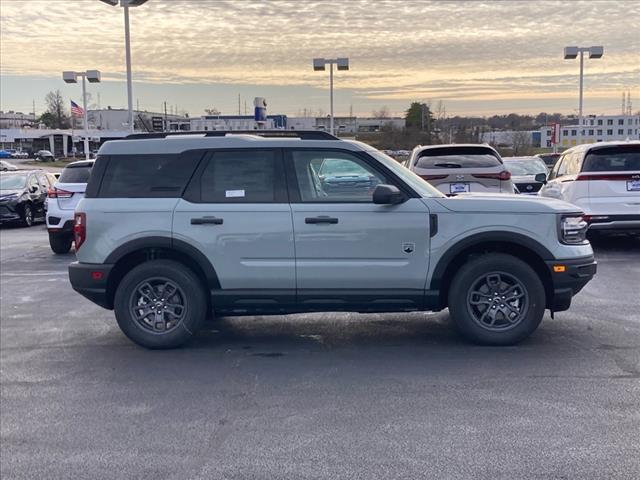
x,y
397,49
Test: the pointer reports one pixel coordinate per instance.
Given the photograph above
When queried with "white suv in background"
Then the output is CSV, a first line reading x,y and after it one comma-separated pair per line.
x,y
61,203
603,179
461,168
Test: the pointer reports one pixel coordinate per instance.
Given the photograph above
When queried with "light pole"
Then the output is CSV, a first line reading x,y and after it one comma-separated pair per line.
x,y
570,53
125,4
319,65
72,77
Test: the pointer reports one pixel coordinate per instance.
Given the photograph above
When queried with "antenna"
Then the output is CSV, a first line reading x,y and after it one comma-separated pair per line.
x,y
624,103
629,106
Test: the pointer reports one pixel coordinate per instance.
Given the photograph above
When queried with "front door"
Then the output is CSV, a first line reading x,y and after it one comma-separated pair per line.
x,y
348,249
236,212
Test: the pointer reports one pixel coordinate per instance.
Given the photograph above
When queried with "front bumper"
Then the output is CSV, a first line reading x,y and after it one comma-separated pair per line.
x,y
9,212
568,278
91,281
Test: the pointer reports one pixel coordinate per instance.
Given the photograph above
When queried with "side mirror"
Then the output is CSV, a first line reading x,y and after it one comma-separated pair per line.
x,y
541,178
33,188
387,195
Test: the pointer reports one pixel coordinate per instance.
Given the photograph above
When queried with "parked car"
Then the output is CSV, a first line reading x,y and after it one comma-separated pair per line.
x,y
6,166
22,196
20,154
45,156
338,175
454,169
549,159
527,173
172,230
5,154
62,199
603,180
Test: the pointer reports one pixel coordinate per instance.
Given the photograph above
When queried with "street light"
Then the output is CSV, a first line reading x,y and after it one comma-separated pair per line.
x,y
127,41
72,77
319,65
571,53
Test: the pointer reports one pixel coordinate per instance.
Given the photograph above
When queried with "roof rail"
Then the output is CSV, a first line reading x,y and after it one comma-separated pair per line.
x,y
301,134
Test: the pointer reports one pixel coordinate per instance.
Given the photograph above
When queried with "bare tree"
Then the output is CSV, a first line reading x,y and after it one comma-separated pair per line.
x,y
212,111
521,141
382,113
56,111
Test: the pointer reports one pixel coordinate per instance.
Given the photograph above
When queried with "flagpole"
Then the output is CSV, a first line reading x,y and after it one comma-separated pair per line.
x,y
73,148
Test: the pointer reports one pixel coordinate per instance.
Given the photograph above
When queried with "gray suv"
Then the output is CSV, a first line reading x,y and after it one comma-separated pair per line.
x,y
177,228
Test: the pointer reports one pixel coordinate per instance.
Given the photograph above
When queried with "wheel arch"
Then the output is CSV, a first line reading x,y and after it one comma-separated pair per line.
x,y
518,245
138,251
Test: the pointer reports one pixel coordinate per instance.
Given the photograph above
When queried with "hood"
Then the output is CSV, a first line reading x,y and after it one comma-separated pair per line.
x,y
505,203
7,193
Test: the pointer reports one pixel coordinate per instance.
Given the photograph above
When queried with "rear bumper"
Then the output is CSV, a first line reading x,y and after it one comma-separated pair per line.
x,y
577,273
91,280
56,225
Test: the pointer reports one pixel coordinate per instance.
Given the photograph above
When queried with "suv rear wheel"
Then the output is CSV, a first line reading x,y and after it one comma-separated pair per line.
x,y
160,304
496,299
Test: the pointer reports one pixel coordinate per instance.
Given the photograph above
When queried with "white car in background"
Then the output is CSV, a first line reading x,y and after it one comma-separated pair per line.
x,y
461,168
528,174
61,203
603,179
7,167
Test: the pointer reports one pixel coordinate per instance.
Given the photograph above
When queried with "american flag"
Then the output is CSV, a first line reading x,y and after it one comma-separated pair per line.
x,y
76,109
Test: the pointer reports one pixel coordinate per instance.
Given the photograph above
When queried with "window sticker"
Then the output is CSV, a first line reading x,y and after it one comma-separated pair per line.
x,y
234,193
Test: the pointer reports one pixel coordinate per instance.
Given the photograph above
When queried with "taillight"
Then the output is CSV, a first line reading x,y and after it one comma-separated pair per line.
x,y
79,229
58,193
433,177
503,175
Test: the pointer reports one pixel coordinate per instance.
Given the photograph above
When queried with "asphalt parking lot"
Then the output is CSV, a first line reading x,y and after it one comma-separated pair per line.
x,y
315,396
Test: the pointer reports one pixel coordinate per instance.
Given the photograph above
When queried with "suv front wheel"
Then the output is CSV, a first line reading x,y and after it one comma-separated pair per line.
x,y
496,299
160,304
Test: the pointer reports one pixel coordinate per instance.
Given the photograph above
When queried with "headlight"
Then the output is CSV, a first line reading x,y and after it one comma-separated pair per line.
x,y
572,229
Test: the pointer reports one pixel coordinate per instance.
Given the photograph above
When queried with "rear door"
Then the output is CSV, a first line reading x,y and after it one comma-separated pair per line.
x,y
612,175
348,249
236,212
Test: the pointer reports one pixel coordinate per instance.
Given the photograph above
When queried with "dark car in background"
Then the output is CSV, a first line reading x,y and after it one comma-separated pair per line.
x,y
527,173
22,196
549,159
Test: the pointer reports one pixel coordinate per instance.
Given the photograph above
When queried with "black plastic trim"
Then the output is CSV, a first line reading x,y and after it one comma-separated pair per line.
x,y
495,236
82,281
579,271
301,134
433,225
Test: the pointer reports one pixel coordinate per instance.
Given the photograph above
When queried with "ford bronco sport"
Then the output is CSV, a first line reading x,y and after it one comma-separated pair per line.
x,y
175,228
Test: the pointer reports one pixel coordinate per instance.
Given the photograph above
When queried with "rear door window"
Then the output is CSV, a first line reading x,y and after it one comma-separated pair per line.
x,y
148,176
624,158
76,174
459,157
248,176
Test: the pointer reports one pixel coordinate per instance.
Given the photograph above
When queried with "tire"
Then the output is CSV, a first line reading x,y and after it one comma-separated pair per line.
x,y
60,242
486,275
27,215
132,296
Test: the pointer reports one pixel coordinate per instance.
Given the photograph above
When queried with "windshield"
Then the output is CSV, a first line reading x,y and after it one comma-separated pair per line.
x,y
12,182
525,167
414,181
624,158
457,157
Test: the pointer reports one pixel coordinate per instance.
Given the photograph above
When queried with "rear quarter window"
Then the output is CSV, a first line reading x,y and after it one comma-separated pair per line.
x,y
147,176
461,157
79,174
624,158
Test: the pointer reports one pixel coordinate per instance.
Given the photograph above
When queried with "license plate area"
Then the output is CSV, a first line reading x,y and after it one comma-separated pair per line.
x,y
633,185
459,188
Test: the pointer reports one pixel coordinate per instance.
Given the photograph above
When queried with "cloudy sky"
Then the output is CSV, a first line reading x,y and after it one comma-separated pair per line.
x,y
479,57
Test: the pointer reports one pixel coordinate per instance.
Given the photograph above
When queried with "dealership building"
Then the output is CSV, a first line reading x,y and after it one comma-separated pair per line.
x,y
595,128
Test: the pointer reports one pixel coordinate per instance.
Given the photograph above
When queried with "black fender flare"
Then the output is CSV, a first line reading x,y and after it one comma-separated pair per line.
x,y
485,237
167,243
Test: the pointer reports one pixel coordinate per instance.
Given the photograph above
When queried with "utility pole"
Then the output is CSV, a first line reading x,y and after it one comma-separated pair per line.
x,y
239,105
164,127
34,109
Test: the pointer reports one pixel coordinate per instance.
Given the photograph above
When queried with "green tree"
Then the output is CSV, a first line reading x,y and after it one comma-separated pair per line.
x,y
420,117
55,116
